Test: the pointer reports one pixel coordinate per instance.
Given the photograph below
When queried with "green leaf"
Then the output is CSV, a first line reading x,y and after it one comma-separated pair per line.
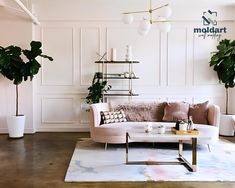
x,y
35,45
223,62
48,57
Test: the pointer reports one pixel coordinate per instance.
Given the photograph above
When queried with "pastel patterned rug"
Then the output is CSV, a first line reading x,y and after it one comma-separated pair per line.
x,y
91,163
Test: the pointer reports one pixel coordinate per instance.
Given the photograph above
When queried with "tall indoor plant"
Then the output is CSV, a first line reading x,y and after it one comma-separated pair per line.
x,y
97,89
223,62
18,65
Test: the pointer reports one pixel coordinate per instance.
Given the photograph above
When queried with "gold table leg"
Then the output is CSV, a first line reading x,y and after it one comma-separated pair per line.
x,y
180,147
191,167
127,147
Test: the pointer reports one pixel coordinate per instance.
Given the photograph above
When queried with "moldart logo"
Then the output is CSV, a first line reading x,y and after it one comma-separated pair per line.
x,y
209,18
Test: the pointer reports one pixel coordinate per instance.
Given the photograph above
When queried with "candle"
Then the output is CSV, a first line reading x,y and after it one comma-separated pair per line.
x,y
113,54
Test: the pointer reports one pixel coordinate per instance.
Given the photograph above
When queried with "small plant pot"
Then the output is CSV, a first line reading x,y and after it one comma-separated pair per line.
x,y
16,126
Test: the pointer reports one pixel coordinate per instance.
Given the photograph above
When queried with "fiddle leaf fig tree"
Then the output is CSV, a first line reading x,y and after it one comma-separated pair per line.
x,y
223,62
19,65
97,89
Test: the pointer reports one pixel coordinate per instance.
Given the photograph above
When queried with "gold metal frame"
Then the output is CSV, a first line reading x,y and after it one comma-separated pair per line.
x,y
181,160
150,11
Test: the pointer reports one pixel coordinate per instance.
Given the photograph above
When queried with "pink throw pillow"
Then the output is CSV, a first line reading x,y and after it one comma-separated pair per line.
x,y
199,112
176,111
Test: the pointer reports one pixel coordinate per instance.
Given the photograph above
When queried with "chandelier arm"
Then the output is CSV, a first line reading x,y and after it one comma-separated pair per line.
x,y
141,11
150,12
160,7
156,21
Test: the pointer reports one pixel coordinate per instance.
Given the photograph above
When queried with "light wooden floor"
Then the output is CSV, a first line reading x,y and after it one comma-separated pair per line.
x,y
41,161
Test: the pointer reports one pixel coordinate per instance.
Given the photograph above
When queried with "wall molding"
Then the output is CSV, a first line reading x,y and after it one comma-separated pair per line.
x,y
81,50
160,86
72,46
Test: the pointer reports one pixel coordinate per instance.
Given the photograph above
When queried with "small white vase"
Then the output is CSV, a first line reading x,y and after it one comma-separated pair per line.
x,y
16,126
128,53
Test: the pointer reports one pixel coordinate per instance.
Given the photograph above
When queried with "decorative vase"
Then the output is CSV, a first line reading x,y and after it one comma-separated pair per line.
x,y
128,53
16,126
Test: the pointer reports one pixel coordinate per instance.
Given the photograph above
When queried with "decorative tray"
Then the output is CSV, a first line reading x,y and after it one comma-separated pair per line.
x,y
189,132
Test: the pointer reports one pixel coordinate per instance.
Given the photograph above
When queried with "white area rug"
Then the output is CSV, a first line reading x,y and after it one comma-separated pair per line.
x,y
91,163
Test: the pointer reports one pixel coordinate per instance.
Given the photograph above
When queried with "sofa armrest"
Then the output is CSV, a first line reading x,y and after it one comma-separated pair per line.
x,y
95,110
213,115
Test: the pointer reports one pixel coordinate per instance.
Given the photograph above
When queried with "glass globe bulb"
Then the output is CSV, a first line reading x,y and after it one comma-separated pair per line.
x,y
127,18
145,25
165,26
142,32
164,12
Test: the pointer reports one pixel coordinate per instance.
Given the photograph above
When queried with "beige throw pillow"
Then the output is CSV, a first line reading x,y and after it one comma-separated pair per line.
x,y
176,111
199,112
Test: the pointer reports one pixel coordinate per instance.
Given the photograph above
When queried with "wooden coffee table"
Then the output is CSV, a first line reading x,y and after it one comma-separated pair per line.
x,y
141,136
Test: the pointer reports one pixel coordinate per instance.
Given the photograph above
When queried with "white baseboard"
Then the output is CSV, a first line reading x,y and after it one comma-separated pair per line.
x,y
32,131
44,129
27,131
3,130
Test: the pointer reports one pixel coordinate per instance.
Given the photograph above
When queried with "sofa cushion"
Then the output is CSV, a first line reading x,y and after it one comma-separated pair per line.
x,y
112,116
199,112
176,111
143,111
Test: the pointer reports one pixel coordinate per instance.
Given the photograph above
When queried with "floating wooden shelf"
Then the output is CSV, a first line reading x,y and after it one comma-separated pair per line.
x,y
116,62
120,78
119,95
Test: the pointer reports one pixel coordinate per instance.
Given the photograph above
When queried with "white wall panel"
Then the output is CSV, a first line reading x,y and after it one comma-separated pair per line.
x,y
177,57
214,100
84,115
60,113
202,73
178,99
90,45
232,101
58,110
58,42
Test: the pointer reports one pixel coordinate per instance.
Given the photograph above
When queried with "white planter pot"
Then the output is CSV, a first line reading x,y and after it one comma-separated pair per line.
x,y
16,126
227,125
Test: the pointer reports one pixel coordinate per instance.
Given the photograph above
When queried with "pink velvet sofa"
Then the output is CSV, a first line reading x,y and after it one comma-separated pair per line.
x,y
114,133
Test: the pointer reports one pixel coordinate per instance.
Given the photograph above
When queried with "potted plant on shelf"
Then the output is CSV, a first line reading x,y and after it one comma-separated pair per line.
x,y
18,65
223,62
97,89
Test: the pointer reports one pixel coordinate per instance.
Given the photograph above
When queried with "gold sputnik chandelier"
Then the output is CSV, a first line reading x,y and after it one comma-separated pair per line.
x,y
163,12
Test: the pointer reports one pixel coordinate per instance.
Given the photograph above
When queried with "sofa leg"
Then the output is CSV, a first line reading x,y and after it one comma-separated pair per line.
x,y
105,146
209,148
